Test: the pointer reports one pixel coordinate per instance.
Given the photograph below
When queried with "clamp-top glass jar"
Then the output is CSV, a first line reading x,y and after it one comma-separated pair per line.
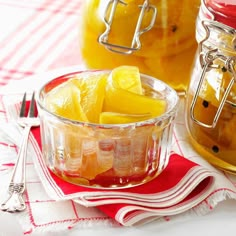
x,y
158,36
211,98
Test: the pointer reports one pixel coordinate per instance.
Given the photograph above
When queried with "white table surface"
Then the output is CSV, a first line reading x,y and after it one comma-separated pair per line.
x,y
221,221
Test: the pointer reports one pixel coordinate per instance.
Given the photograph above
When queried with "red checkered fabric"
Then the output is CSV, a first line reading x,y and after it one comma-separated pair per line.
x,y
37,36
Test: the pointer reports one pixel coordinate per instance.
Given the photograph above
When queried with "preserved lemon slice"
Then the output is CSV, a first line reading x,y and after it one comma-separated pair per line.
x,y
122,101
215,85
119,118
64,100
163,69
84,98
124,94
92,92
126,77
90,37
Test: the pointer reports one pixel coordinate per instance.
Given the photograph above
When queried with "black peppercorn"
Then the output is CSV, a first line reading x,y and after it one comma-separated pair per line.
x,y
223,69
215,149
174,28
205,103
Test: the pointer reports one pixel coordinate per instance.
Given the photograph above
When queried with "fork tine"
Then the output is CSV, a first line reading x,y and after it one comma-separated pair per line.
x,y
23,103
32,107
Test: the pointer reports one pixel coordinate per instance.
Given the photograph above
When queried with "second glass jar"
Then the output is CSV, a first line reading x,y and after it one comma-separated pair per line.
x,y
211,98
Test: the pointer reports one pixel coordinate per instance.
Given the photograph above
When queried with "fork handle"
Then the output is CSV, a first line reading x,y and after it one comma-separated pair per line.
x,y
15,201
18,175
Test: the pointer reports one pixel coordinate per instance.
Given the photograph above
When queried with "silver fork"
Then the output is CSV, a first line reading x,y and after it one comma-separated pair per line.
x,y
15,201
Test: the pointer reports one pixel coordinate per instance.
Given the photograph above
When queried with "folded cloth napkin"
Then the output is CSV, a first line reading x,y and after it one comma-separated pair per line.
x,y
183,185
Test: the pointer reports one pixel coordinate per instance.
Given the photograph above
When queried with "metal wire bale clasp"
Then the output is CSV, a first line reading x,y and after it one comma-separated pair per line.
x,y
230,63
207,26
207,60
108,20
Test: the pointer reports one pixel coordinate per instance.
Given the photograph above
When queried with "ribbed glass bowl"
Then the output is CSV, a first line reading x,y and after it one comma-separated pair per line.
x,y
107,156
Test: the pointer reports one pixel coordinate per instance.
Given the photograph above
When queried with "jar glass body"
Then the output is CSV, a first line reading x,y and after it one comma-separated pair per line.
x,y
211,96
167,49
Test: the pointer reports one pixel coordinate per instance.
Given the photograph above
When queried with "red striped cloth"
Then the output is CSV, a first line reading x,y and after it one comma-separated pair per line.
x,y
37,36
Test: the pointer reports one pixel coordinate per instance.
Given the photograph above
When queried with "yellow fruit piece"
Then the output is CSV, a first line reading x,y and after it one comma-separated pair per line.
x,y
119,118
93,162
64,100
204,112
122,101
126,77
124,94
89,168
215,159
225,127
228,42
175,76
90,36
215,84
92,92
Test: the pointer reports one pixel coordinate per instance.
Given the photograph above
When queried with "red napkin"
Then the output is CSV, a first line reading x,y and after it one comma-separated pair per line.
x,y
182,185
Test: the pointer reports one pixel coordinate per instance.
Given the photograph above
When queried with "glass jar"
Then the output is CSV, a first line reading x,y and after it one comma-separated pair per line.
x,y
158,36
211,97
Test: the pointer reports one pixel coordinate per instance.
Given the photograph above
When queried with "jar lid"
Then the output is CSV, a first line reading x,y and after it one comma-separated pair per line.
x,y
224,11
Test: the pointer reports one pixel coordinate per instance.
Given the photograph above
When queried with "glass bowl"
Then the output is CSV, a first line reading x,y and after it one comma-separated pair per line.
x,y
107,156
